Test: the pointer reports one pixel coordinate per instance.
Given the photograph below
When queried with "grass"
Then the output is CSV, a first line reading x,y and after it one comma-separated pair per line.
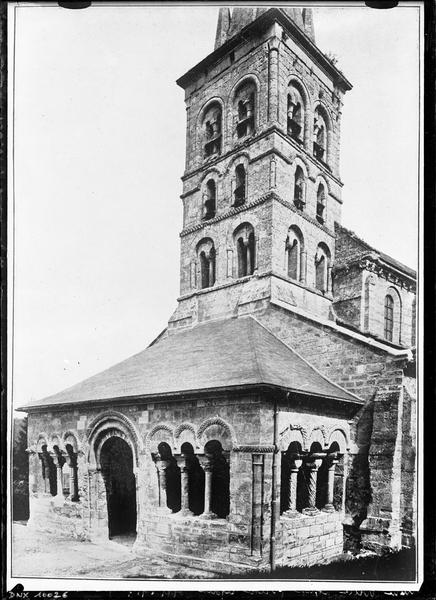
x,y
395,566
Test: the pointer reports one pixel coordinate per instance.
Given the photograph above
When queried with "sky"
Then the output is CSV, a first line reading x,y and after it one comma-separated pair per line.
x,y
99,143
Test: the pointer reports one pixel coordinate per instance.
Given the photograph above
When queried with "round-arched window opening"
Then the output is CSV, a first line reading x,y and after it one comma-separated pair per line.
x,y
220,492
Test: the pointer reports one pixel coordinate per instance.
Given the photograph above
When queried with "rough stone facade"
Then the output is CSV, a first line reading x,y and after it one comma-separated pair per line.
x,y
234,479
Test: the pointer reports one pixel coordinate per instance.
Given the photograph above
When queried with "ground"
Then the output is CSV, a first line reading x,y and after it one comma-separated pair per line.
x,y
37,554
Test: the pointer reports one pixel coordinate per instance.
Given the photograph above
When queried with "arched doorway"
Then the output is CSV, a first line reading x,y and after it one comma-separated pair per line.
x,y
116,460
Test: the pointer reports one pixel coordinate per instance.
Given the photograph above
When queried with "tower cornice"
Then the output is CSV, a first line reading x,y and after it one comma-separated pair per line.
x,y
247,143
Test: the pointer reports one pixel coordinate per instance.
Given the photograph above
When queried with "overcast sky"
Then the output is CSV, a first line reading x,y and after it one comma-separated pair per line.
x,y
99,152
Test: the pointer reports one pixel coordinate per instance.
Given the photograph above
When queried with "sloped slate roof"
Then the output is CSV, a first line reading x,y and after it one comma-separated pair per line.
x,y
217,354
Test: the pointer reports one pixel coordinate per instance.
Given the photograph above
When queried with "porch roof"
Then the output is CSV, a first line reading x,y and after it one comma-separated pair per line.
x,y
216,355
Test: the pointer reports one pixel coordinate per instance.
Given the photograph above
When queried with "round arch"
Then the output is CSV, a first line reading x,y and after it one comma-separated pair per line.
x,y
110,424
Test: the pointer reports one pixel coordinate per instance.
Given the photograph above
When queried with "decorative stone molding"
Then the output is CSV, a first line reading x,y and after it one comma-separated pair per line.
x,y
178,434
201,431
152,440
111,424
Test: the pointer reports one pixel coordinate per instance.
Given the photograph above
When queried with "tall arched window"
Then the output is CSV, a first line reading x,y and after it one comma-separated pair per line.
x,y
295,122
240,186
244,108
320,135
322,268
389,318
295,254
206,257
320,203
299,188
212,130
220,479
209,202
245,249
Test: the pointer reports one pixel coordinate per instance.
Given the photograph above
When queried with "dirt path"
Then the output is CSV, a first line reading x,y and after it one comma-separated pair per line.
x,y
36,554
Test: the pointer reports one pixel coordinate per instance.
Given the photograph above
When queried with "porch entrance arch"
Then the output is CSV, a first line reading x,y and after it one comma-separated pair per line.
x,y
116,461
114,449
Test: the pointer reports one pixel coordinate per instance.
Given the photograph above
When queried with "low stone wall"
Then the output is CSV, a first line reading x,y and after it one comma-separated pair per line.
x,y
213,545
65,519
308,540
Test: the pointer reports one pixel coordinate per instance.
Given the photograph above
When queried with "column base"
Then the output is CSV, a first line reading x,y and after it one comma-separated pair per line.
x,y
328,508
291,513
310,511
184,512
207,516
58,500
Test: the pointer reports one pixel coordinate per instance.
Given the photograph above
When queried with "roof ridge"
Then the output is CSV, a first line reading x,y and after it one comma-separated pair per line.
x,y
308,363
256,357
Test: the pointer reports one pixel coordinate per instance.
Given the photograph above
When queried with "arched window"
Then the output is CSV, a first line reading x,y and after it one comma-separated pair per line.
x,y
209,200
206,257
245,249
244,103
195,476
322,269
295,254
171,473
240,186
291,463
320,135
295,122
219,501
389,318
320,203
71,486
212,130
48,471
299,188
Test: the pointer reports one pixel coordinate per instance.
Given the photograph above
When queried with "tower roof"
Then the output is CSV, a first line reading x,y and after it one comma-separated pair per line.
x,y
231,354
233,27
230,23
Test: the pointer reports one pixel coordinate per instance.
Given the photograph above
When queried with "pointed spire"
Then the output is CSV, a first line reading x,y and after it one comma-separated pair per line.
x,y
222,26
241,16
230,23
307,15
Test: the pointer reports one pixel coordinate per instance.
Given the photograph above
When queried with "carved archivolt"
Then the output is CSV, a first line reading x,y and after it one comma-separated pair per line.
x,y
185,433
216,428
340,437
293,433
115,424
162,432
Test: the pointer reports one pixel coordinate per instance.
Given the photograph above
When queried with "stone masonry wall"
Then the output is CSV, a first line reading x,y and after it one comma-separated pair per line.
x,y
374,482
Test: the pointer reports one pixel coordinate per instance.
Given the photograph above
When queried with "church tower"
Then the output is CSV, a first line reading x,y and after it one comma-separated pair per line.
x,y
261,188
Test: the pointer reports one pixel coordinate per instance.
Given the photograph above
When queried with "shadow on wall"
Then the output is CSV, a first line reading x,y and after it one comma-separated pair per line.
x,y
358,487
20,472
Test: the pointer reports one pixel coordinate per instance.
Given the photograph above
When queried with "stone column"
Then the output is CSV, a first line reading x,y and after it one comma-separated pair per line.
x,y
249,257
33,466
273,79
211,269
45,472
207,464
313,464
72,464
257,502
296,463
303,266
59,461
329,279
184,471
333,461
162,466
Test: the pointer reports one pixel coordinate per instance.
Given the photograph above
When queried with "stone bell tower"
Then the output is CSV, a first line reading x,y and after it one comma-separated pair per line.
x,y
261,188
